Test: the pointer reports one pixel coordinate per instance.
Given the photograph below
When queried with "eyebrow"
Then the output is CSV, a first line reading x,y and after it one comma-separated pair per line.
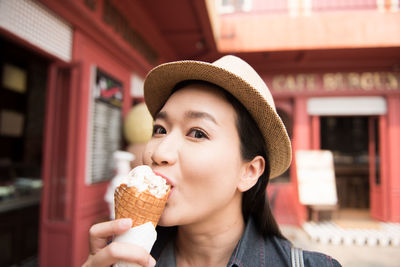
x,y
161,115
192,114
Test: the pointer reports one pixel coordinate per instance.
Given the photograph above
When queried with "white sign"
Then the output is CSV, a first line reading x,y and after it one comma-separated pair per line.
x,y
316,177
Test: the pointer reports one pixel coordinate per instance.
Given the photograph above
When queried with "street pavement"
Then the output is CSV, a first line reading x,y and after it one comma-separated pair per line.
x,y
347,255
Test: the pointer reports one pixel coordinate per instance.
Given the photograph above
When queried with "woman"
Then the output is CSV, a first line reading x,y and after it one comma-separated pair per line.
x,y
218,140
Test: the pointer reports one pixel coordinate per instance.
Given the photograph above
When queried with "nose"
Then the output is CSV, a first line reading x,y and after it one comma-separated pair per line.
x,y
165,150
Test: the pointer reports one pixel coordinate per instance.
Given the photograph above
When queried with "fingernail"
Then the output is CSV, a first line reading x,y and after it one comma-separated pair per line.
x,y
127,222
152,262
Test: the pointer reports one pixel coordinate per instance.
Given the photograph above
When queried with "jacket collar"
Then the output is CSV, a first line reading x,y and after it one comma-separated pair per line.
x,y
250,251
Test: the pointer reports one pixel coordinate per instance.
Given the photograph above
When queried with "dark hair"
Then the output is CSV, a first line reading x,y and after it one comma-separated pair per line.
x,y
254,202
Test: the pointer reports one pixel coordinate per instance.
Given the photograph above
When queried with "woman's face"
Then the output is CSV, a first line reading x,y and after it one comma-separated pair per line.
x,y
195,144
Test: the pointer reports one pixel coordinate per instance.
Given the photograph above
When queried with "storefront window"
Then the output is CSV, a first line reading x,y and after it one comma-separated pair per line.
x,y
23,76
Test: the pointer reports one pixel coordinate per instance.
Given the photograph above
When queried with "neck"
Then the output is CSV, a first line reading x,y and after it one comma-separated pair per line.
x,y
210,242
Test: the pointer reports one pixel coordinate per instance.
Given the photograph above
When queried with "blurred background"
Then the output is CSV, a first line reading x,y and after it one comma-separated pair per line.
x,y
71,94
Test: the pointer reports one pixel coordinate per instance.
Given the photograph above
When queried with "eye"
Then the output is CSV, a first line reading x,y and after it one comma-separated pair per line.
x,y
158,130
197,133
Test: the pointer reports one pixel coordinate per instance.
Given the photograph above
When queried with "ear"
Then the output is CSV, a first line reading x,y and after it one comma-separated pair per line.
x,y
252,170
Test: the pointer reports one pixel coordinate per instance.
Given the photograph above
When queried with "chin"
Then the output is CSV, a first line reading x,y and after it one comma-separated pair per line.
x,y
165,220
166,223
169,218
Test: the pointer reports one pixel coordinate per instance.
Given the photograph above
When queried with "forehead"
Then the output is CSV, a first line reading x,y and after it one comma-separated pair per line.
x,y
200,96
199,91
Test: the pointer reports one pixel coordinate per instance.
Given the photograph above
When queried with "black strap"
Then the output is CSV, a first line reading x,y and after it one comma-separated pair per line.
x,y
296,255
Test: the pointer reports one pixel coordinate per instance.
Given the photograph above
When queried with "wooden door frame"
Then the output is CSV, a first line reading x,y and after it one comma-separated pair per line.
x,y
56,234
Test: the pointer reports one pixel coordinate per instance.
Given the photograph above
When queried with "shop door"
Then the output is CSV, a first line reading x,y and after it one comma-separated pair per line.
x,y
355,130
58,165
352,141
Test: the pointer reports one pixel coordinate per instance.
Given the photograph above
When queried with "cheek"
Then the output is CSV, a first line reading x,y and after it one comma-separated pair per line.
x,y
216,165
209,183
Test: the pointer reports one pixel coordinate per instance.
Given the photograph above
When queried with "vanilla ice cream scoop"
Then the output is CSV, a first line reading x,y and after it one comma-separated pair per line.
x,y
143,178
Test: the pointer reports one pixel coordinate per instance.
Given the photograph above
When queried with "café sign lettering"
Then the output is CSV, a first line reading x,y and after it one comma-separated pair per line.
x,y
336,82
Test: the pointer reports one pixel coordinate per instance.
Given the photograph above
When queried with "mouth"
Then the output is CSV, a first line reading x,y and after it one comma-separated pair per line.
x,y
165,177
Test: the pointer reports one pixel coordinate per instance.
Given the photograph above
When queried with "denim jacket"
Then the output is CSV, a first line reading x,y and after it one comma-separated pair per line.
x,y
252,250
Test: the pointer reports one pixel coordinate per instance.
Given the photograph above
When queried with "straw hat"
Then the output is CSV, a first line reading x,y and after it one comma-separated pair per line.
x,y
242,81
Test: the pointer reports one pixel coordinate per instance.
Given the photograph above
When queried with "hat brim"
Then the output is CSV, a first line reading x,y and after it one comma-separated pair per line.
x,y
162,79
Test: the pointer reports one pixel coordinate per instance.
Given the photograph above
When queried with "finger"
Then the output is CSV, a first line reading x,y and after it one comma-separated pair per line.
x,y
117,251
99,233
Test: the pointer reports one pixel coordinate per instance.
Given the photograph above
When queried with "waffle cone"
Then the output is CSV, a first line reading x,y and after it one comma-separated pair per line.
x,y
141,207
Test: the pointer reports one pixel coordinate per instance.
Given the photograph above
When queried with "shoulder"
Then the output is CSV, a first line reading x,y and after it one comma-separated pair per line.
x,y
312,258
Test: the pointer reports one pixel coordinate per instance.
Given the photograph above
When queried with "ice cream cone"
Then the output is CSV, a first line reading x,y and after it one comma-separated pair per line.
x,y
141,207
